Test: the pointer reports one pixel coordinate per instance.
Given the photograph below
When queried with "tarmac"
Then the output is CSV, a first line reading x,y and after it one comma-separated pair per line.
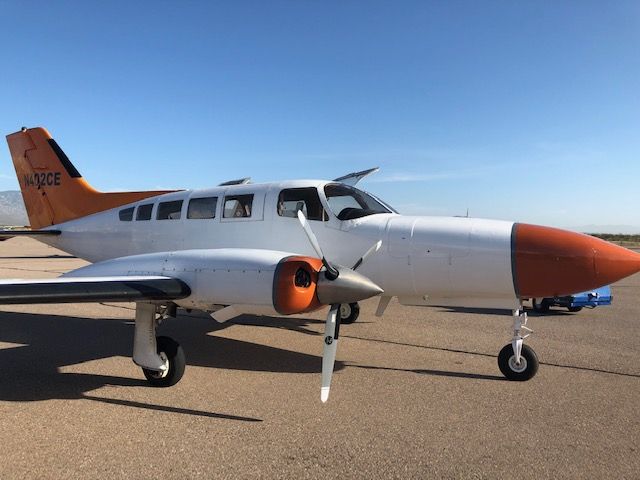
x,y
416,394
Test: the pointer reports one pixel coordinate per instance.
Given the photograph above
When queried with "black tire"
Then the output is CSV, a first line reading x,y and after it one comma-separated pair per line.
x,y
541,307
349,312
574,309
528,361
175,355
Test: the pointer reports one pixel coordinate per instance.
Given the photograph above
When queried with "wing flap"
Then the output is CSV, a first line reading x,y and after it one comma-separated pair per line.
x,y
92,289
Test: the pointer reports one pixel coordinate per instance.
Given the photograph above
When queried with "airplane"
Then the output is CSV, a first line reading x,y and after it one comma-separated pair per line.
x,y
285,248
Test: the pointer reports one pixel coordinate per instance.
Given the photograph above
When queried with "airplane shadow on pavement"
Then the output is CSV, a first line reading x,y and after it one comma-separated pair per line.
x,y
504,312
31,370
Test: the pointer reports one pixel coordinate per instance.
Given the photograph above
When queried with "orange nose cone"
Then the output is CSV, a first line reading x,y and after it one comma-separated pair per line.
x,y
549,262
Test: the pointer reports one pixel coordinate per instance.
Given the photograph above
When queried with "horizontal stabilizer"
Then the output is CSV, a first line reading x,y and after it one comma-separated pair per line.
x,y
92,289
7,234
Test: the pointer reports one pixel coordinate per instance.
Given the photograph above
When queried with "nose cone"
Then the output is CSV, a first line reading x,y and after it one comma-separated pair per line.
x,y
551,262
350,286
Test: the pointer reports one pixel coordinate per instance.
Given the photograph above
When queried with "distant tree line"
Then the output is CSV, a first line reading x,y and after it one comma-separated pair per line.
x,y
617,237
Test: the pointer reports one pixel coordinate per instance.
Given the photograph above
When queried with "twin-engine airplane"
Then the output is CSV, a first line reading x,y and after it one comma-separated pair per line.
x,y
256,248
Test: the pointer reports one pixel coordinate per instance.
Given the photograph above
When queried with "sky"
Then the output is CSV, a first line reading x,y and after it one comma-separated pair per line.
x,y
526,111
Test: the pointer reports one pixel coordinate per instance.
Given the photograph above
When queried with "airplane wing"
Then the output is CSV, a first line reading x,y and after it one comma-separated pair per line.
x,y
92,289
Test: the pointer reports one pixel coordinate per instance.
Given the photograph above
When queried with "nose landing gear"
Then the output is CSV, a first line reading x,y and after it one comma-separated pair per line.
x,y
518,361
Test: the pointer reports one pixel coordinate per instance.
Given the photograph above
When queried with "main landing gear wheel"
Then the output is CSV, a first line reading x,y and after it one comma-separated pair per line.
x,y
574,309
527,368
349,312
172,353
539,305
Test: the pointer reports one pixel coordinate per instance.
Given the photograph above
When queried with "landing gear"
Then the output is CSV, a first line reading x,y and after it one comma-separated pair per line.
x,y
173,355
161,359
574,309
527,368
518,361
349,312
540,305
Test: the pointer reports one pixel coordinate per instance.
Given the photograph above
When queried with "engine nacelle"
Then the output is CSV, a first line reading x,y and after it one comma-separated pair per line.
x,y
275,280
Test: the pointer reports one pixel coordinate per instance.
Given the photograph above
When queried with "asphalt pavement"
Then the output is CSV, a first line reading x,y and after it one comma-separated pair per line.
x,y
416,394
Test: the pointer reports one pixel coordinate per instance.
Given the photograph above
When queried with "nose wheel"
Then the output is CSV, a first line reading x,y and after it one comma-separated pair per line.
x,y
516,360
511,369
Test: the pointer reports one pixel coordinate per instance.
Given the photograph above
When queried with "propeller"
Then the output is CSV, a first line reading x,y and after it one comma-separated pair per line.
x,y
374,248
329,350
340,285
330,272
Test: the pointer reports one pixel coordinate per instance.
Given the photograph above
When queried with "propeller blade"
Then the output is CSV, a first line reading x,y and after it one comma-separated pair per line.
x,y
330,272
310,235
331,332
374,248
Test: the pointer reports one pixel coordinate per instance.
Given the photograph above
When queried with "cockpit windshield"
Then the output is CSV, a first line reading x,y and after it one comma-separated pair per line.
x,y
348,202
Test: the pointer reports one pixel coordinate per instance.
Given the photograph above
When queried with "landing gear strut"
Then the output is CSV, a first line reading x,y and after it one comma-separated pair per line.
x,y
518,361
161,359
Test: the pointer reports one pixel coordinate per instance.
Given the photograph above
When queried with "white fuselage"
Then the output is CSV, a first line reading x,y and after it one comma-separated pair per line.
x,y
423,260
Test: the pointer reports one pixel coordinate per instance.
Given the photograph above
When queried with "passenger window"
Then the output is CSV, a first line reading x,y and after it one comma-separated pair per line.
x,y
126,215
237,206
202,207
169,210
305,199
144,211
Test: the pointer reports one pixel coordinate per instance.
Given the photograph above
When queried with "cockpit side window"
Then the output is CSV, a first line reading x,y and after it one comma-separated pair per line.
x,y
348,202
307,200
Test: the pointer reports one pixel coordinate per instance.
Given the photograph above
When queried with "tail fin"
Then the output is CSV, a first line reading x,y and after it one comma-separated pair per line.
x,y
52,189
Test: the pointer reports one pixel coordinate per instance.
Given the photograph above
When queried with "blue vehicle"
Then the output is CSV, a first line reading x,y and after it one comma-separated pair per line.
x,y
575,302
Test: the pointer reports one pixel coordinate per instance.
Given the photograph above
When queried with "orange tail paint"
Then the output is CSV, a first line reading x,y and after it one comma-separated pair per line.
x,y
52,189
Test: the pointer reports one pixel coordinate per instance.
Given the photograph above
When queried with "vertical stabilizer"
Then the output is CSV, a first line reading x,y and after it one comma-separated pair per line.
x,y
52,188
